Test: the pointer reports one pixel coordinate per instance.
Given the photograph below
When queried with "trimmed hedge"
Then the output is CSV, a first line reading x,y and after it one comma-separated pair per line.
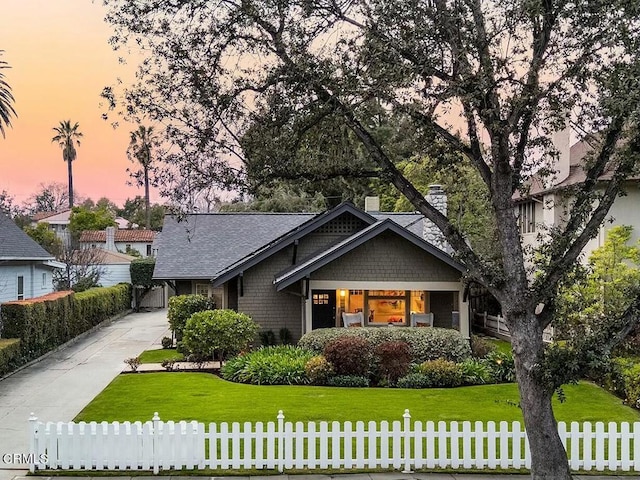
x,y
43,323
9,355
424,343
181,307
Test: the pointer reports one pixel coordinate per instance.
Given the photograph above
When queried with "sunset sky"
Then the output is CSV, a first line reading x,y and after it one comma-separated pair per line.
x,y
60,61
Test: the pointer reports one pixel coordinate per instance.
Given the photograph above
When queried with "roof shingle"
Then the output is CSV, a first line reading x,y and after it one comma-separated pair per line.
x,y
17,245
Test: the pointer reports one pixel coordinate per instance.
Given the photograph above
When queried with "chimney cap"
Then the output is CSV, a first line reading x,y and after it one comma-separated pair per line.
x,y
435,188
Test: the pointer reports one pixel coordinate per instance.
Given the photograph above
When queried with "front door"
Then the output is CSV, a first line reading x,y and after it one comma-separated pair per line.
x,y
323,311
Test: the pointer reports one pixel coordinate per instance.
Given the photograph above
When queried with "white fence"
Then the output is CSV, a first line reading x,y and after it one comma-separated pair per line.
x,y
498,325
156,445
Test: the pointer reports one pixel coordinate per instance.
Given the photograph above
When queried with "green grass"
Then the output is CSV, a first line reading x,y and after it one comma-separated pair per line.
x,y
207,398
158,356
502,345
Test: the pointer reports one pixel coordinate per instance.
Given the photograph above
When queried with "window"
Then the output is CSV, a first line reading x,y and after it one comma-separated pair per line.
x,y
202,289
148,250
44,279
20,287
321,299
387,306
527,217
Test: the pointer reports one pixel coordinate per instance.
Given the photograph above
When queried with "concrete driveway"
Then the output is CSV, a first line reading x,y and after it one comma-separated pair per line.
x,y
58,387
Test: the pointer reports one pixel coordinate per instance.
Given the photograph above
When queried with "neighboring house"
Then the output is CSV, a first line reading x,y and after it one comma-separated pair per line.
x,y
25,267
114,267
545,204
302,271
115,240
59,222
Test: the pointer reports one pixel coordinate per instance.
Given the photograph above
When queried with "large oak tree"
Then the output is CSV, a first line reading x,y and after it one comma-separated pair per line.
x,y
488,80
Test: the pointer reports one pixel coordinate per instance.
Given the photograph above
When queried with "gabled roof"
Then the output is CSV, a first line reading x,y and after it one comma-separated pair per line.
x,y
255,257
199,245
301,270
114,258
100,236
17,245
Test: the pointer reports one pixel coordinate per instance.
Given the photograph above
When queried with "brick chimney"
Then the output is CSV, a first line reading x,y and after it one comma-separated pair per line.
x,y
110,239
438,199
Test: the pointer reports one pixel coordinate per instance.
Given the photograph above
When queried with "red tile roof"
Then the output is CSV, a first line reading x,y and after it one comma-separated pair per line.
x,y
100,236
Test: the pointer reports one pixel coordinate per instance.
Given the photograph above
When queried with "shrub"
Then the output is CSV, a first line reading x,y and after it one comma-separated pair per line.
x,y
181,307
414,380
475,372
352,381
441,373
349,356
501,366
43,323
318,370
198,359
394,359
285,336
481,347
168,364
10,357
623,379
275,365
221,332
267,338
134,363
425,343
167,342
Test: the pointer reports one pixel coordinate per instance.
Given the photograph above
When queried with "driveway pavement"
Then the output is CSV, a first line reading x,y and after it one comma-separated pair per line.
x,y
59,386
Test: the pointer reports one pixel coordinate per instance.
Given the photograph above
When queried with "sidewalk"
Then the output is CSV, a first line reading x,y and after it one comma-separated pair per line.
x,y
58,387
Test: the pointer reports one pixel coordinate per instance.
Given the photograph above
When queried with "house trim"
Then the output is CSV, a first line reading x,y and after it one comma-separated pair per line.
x,y
287,239
298,272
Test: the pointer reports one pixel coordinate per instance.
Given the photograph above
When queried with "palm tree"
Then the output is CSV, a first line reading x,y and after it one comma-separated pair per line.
x,y
142,141
66,135
6,99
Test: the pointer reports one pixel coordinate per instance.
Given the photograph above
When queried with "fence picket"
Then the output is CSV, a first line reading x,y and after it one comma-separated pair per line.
x,y
405,445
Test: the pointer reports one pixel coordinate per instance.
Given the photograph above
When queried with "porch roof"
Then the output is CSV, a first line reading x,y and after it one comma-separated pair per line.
x,y
297,272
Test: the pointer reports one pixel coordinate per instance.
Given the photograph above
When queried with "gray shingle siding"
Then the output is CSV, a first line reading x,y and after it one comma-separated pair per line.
x,y
272,310
387,257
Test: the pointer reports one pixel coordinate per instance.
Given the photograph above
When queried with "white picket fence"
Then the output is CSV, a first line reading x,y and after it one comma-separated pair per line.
x,y
156,445
497,324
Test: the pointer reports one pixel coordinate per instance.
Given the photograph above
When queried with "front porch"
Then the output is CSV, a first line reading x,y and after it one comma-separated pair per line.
x,y
385,303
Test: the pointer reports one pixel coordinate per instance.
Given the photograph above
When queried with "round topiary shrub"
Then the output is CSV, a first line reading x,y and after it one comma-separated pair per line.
x,y
221,332
181,307
441,373
394,359
424,343
349,356
318,370
274,365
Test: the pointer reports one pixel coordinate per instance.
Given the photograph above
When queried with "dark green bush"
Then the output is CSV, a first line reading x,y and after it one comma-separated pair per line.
x,y
441,373
481,347
218,332
275,365
46,322
352,381
623,379
425,343
267,338
181,307
393,360
475,372
167,342
10,356
414,380
285,336
318,370
501,366
349,356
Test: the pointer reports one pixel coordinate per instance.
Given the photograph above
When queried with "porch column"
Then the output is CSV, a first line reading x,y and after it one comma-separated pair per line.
x,y
463,308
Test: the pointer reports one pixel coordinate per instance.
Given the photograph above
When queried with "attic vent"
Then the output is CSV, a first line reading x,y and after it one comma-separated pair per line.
x,y
343,225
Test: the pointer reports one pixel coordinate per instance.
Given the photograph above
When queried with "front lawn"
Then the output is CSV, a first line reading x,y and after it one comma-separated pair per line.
x,y
207,398
159,355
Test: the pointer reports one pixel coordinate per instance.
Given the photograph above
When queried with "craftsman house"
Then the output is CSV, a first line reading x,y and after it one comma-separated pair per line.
x,y
308,271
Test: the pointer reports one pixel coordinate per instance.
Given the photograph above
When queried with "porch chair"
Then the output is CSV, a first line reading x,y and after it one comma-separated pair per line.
x,y
422,319
352,319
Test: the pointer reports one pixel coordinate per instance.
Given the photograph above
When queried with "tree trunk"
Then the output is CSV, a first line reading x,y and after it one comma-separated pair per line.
x,y
70,172
147,211
548,456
